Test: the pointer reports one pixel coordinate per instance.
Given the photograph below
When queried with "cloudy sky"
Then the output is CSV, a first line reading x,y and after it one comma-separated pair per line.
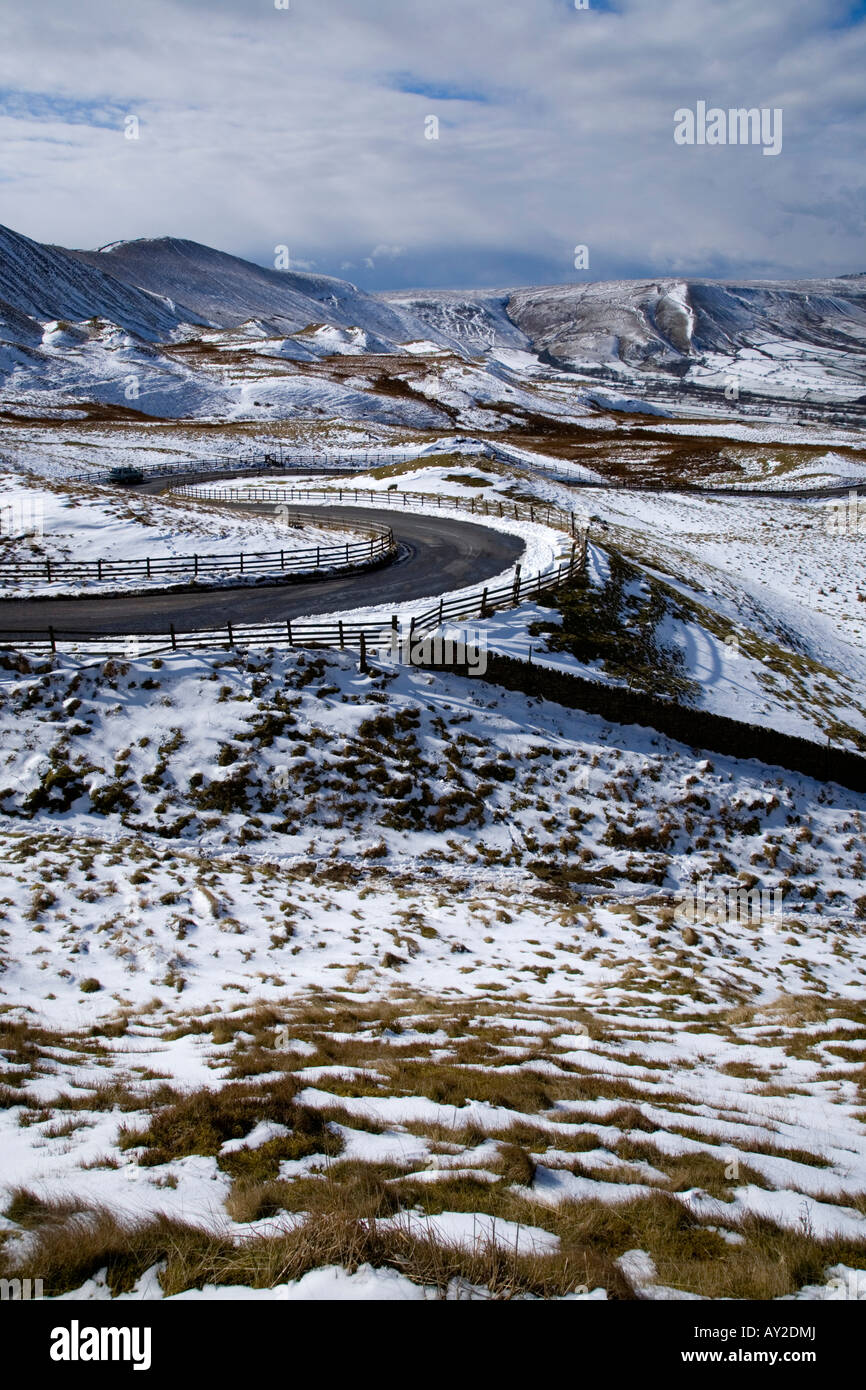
x,y
307,126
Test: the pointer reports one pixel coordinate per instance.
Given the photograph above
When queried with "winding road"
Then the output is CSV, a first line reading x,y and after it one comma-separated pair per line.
x,y
438,554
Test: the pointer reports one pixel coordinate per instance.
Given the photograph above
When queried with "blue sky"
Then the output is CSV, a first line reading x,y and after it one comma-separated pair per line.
x,y
851,14
309,127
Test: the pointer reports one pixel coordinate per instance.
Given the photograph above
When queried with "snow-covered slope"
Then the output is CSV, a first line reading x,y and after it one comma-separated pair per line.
x,y
462,318
18,328
102,326
228,290
46,283
633,321
806,333
801,339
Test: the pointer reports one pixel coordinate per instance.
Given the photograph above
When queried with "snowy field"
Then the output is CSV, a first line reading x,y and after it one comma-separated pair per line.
x,y
83,525
395,974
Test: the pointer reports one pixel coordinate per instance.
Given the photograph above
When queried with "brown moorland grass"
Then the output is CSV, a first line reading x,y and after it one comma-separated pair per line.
x,y
351,1187
66,1255
508,1086
27,1209
339,1205
770,1261
202,1121
686,1172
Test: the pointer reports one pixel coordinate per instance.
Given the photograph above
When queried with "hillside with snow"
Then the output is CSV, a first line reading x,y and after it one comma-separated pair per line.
x,y
380,978
229,291
795,340
105,326
46,282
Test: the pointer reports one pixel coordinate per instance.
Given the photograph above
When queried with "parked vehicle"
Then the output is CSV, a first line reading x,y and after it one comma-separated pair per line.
x,y
126,476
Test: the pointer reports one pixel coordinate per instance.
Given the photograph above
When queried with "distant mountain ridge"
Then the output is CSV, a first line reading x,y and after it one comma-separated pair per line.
x,y
655,321
152,286
660,338
664,325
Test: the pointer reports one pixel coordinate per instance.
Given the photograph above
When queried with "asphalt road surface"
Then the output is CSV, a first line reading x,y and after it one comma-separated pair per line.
x,y
438,554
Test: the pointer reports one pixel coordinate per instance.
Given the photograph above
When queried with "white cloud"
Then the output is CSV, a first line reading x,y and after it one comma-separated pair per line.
x,y
261,126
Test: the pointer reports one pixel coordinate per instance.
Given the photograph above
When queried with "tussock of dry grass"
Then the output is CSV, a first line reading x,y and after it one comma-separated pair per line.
x,y
203,1121
33,1212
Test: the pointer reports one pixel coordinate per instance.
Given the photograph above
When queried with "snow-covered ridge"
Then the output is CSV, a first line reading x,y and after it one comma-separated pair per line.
x,y
783,338
800,340
46,283
685,344
227,290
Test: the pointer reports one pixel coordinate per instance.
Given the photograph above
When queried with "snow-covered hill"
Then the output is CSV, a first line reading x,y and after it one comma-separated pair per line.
x,y
45,283
788,338
229,291
802,339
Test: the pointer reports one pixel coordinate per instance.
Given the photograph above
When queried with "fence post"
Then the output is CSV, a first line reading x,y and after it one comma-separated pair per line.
x,y
516,585
317,557
148,566
484,603
347,552
48,569
51,639
363,665
195,566
289,626
242,562
342,638
282,559
173,637
231,634
441,607
99,569
573,561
